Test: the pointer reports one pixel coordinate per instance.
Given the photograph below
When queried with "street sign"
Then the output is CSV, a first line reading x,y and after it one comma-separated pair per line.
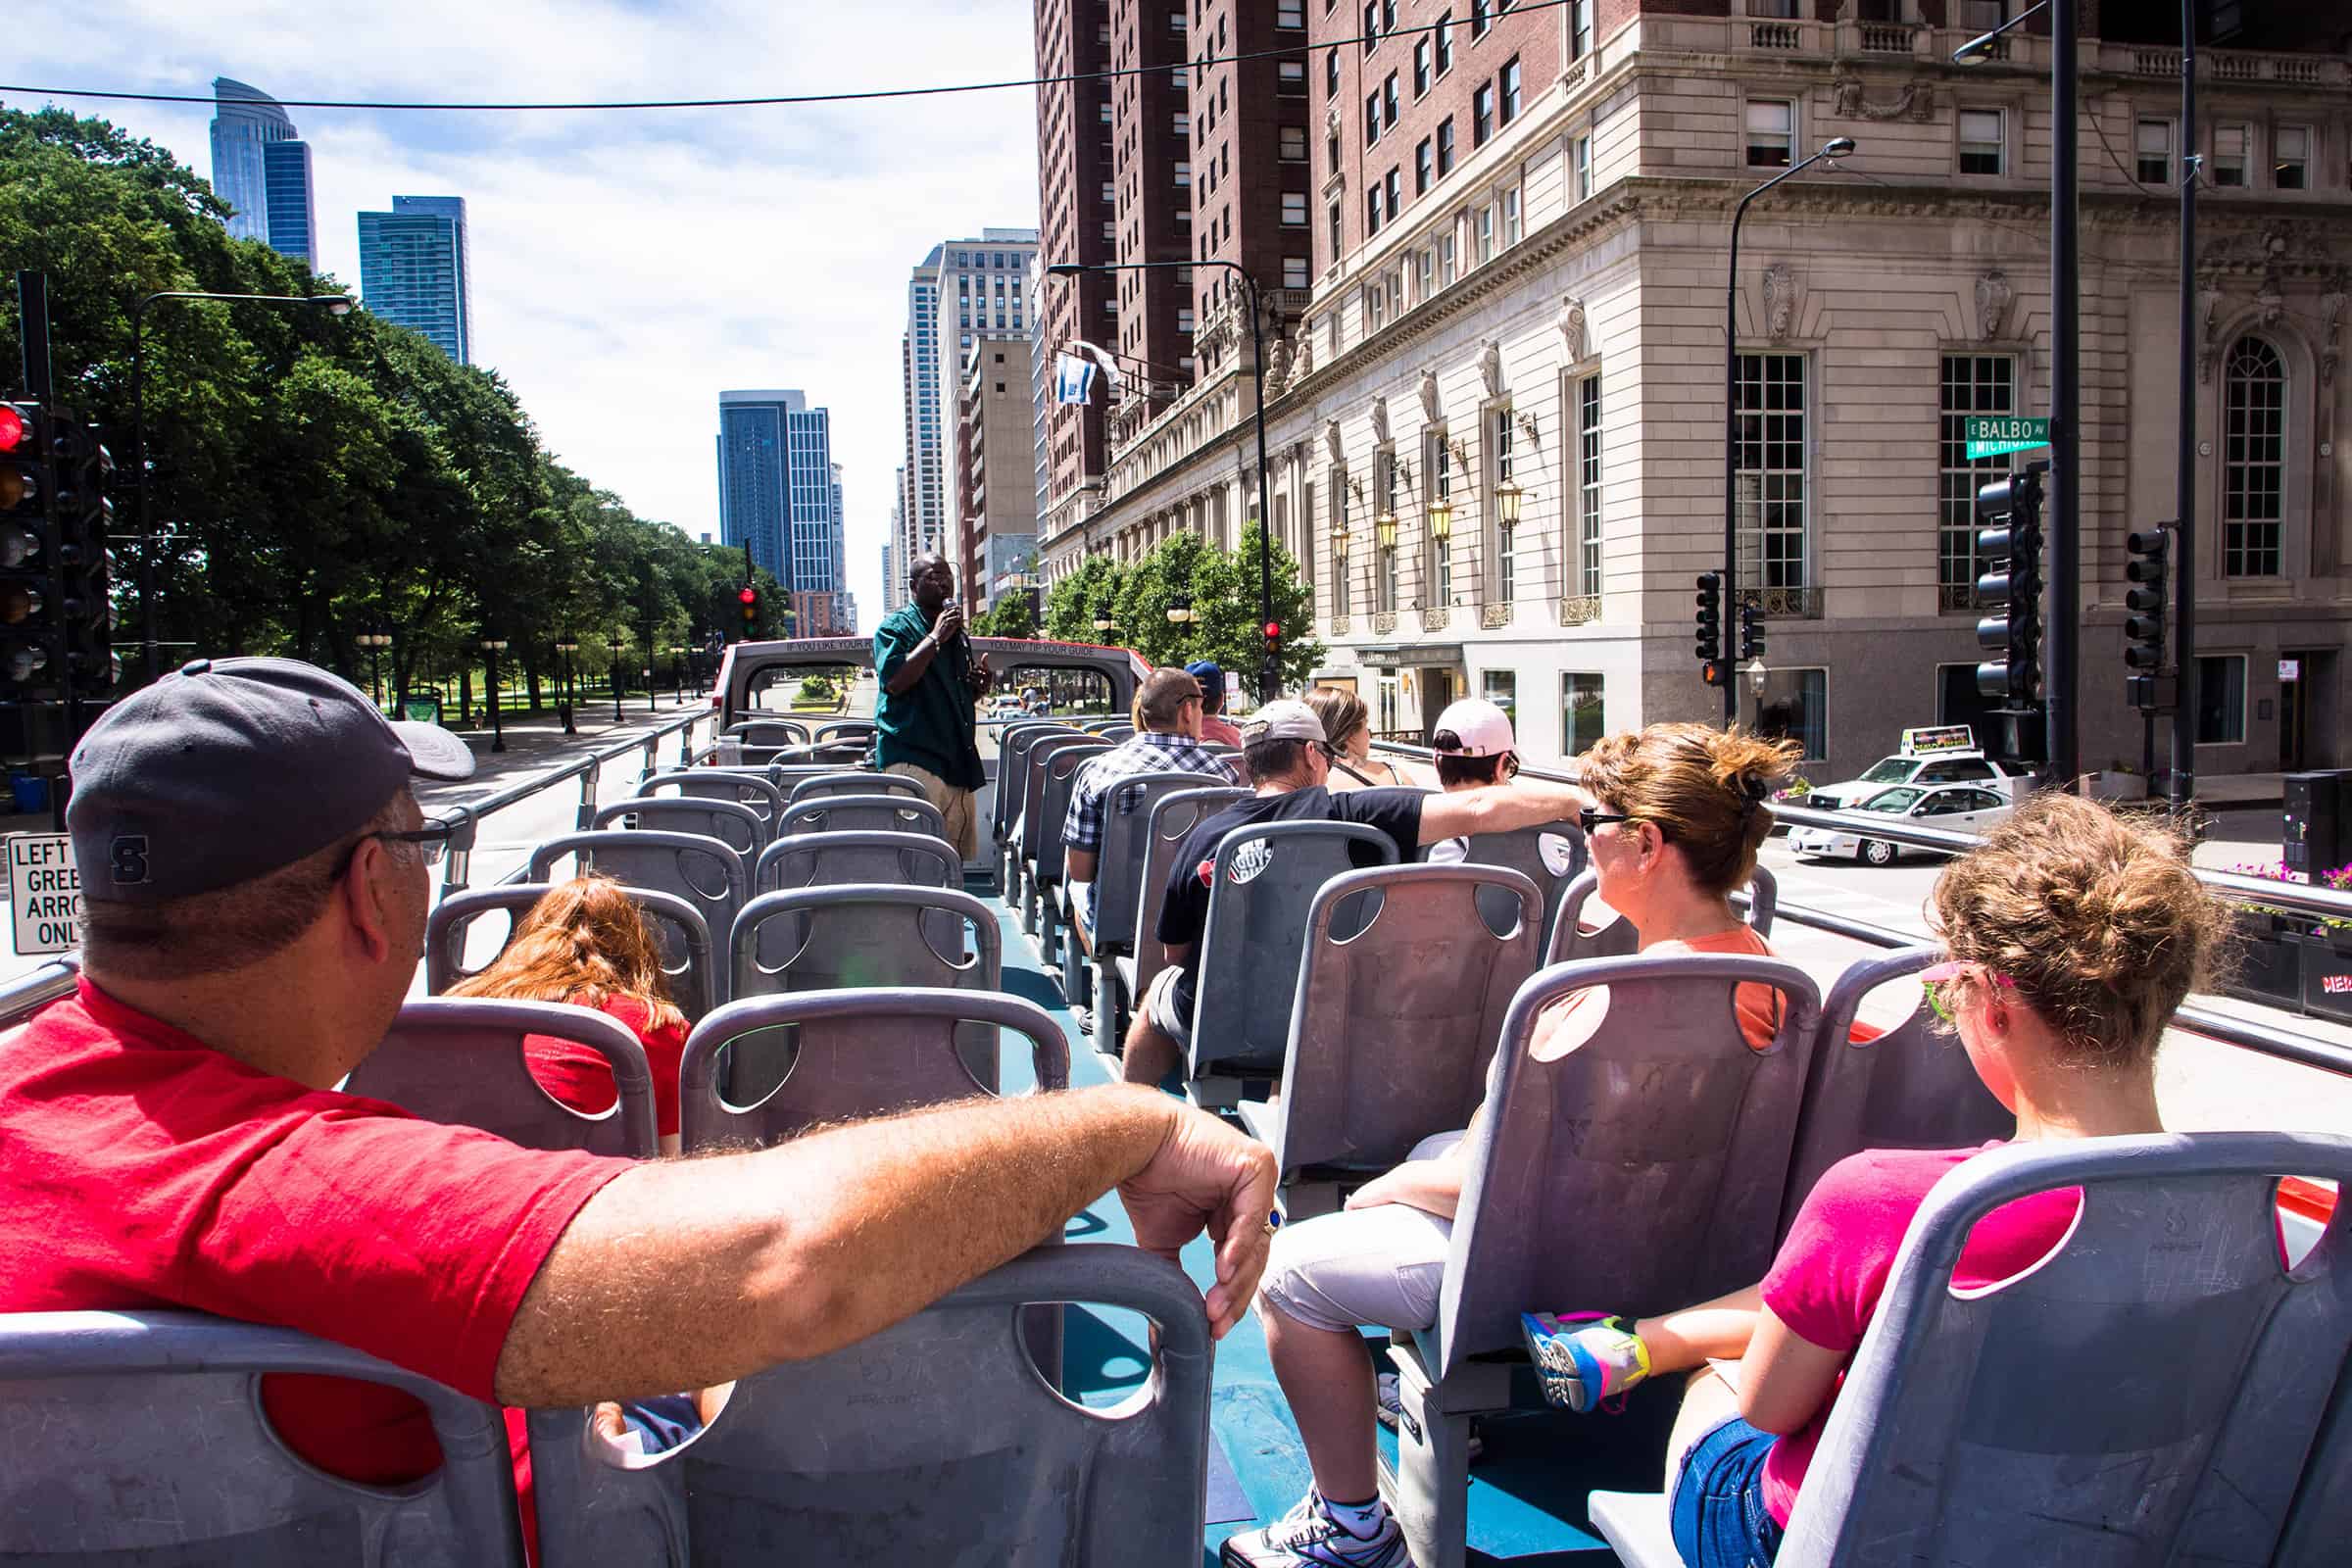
x,y
422,711
1992,434
44,893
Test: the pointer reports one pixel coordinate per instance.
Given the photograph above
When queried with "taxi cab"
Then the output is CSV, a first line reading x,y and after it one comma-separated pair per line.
x,y
1942,753
1955,808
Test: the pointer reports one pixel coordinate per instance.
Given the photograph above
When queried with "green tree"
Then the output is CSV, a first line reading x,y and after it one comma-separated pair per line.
x,y
1071,607
1012,616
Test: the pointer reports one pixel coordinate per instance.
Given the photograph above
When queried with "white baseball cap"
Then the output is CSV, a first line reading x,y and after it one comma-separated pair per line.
x,y
1286,719
1483,729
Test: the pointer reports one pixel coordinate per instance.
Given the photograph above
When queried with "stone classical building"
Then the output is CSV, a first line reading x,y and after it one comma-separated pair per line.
x,y
1519,284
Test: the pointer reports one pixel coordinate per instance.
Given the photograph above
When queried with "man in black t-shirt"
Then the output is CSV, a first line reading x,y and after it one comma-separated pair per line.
x,y
1286,758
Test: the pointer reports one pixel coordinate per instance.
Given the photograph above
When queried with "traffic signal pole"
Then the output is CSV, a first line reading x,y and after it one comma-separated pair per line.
x,y
2063,630
2183,781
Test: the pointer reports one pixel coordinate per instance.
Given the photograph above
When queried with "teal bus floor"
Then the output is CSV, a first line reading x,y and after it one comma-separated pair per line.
x,y
1527,1493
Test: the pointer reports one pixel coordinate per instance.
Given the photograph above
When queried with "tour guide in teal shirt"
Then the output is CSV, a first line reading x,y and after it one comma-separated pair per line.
x,y
928,705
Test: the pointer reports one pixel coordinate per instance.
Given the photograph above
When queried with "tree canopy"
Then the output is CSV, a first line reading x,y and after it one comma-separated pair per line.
x,y
1222,591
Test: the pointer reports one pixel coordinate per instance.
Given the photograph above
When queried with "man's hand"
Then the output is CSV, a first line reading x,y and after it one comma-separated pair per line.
x,y
1207,1175
948,623
982,677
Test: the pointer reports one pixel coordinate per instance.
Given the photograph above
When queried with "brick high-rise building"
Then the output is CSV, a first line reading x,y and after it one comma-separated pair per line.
x,y
1249,177
996,512
1152,142
1076,210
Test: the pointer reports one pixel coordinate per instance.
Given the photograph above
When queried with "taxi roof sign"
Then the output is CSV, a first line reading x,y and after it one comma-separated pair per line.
x,y
1938,739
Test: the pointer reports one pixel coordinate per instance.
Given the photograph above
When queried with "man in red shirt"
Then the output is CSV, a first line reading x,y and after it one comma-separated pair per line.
x,y
256,876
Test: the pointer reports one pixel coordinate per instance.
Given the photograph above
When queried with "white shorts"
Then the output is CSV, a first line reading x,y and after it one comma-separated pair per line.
x,y
1381,1266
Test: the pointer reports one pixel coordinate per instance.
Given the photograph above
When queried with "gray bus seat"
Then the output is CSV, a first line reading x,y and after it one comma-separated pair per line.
x,y
750,787
1551,857
1013,775
706,873
936,1441
1167,823
738,827
1263,883
459,1061
828,859
1057,778
138,1437
1909,1088
1392,1030
1034,828
854,781
1114,732
1644,1168
2149,1393
845,733
1118,866
850,1054
1571,941
878,813
770,732
865,935
686,956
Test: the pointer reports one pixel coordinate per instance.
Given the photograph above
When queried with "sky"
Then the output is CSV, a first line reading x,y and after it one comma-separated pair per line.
x,y
627,266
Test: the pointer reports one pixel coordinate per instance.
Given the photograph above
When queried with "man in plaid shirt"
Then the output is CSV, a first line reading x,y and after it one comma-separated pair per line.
x,y
1168,709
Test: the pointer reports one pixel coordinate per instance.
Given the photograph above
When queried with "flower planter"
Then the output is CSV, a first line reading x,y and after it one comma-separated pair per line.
x,y
2327,974
2269,969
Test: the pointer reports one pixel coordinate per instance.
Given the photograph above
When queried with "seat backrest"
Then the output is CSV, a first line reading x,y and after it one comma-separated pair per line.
x,y
1115,732
686,956
1035,830
770,732
865,934
1264,880
707,874
1060,775
1392,1029
1644,1166
845,729
459,1061
939,1442
1126,841
738,827
1570,942
854,781
1012,770
827,860
2148,1394
750,787
852,1053
878,813
140,1437
1551,857
1169,822
1909,1088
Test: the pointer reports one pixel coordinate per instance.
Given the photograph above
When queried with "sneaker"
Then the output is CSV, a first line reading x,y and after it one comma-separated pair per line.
x,y
1584,1359
1308,1537
1387,1406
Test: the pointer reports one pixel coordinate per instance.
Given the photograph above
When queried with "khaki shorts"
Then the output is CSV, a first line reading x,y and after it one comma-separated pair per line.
x,y
1382,1266
956,805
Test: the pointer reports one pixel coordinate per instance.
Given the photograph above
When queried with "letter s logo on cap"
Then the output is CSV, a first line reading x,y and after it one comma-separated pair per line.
x,y
127,859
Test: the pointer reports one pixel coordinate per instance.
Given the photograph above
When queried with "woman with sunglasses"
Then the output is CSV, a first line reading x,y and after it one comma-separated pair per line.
x,y
1677,819
1348,725
2073,935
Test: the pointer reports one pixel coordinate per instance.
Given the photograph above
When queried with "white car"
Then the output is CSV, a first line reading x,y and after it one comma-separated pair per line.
x,y
1930,769
1952,808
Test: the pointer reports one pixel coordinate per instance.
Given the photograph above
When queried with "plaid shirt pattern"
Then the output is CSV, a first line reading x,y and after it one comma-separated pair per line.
x,y
1145,753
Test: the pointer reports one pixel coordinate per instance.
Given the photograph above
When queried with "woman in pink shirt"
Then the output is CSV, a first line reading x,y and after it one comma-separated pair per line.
x,y
2073,936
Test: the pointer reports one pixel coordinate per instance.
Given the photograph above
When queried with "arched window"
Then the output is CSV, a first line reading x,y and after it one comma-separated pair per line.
x,y
2253,459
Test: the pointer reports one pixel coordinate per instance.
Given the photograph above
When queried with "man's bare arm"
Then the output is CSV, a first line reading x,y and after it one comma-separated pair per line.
x,y
1078,866
918,660
1499,808
682,1274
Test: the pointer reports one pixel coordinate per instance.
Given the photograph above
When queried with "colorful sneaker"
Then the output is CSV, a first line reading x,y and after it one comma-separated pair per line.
x,y
1308,1537
1584,1359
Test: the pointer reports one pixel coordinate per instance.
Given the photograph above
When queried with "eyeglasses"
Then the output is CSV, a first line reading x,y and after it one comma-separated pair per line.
x,y
1591,816
431,839
1933,981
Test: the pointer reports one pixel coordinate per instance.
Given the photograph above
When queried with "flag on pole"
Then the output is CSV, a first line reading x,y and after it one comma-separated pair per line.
x,y
1073,378
1102,361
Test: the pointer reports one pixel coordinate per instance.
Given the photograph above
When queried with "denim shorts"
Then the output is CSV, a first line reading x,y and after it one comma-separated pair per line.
x,y
1718,1509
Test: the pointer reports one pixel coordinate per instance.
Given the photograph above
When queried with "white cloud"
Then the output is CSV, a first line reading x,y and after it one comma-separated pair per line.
x,y
627,266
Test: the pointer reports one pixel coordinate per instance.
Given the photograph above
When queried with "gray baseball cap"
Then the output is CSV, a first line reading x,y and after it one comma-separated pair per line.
x,y
1286,719
232,768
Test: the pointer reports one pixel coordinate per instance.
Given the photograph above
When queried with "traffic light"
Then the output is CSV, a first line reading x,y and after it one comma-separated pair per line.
x,y
1711,649
2009,591
1751,633
2144,618
750,597
27,548
86,519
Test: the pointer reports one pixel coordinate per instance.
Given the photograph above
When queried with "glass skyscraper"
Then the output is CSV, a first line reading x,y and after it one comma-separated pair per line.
x,y
417,268
262,170
779,489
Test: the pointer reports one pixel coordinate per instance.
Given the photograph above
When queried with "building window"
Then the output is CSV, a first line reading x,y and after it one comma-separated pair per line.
x,y
1482,234
1445,258
1442,32
2229,155
1184,321
1371,25
1289,77
2291,150
1383,503
1510,215
1184,176
1446,147
2253,459
1294,144
2155,145
1482,17
1771,471
1980,141
1498,470
1338,233
1371,211
1482,114
1580,28
1511,89
1371,118
1294,207
1796,705
1293,271
1388,101
1394,186
1338,491
1331,74
1582,703
1437,462
1106,107
1587,484
2221,700
1771,132
1423,168
1501,688
1388,17
1580,162
1421,61
1972,383
1290,12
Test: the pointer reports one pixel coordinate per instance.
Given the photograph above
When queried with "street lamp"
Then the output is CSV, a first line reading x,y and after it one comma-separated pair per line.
x,y
617,643
1440,518
335,305
1835,148
1267,672
375,642
1181,612
566,646
1756,675
492,647
1104,624
677,676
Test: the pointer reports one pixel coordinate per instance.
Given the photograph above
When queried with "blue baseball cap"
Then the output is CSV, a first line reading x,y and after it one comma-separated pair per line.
x,y
1206,670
